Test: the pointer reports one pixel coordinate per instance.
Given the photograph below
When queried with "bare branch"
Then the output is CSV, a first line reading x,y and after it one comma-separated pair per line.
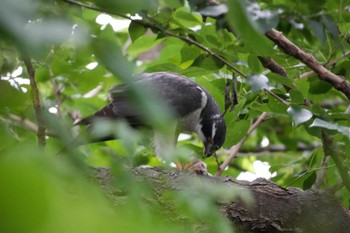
x,y
35,98
28,124
291,49
234,150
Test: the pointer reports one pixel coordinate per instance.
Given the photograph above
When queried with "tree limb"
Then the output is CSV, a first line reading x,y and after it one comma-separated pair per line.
x,y
273,209
291,49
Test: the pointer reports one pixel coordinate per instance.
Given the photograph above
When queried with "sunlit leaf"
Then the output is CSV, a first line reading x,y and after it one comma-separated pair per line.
x,y
331,126
258,82
214,11
299,115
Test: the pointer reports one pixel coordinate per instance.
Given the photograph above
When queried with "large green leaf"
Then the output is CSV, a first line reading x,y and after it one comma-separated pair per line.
x,y
331,126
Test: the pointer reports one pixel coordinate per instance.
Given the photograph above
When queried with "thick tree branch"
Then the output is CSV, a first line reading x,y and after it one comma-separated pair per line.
x,y
291,49
35,98
274,209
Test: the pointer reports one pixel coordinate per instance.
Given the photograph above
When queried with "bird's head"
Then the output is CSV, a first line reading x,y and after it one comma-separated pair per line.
x,y
213,134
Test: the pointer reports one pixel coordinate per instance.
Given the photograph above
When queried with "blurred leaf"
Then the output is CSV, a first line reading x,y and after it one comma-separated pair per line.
x,y
131,6
250,33
171,3
136,30
258,82
10,97
318,29
142,44
333,30
299,115
214,11
186,19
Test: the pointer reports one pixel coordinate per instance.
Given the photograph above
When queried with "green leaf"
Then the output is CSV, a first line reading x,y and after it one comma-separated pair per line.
x,y
296,96
254,63
131,7
331,126
238,130
287,81
171,3
318,86
136,30
142,44
208,62
299,115
186,19
309,181
276,106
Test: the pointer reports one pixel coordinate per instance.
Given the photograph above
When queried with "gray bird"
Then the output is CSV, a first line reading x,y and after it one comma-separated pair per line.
x,y
194,109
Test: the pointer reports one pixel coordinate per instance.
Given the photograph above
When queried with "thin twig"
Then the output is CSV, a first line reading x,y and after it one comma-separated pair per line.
x,y
25,123
323,74
285,102
321,173
35,98
234,150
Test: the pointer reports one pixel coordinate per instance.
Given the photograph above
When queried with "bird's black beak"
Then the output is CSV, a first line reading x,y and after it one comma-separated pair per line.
x,y
208,148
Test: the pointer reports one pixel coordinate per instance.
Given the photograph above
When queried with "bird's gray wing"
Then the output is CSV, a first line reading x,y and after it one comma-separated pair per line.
x,y
181,94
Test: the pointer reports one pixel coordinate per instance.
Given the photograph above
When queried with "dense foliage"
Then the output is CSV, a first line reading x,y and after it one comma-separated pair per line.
x,y
58,60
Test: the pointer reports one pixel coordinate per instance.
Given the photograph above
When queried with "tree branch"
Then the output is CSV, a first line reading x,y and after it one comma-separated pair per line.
x,y
162,30
291,49
28,124
35,98
331,63
272,208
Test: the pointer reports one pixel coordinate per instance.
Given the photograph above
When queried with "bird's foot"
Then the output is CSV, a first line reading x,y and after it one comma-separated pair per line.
x,y
197,166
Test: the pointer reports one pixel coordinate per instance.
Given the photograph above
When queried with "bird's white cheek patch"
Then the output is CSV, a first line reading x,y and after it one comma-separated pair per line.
x,y
213,130
204,98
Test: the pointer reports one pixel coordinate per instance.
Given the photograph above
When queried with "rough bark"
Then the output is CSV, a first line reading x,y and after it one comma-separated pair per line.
x,y
275,209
